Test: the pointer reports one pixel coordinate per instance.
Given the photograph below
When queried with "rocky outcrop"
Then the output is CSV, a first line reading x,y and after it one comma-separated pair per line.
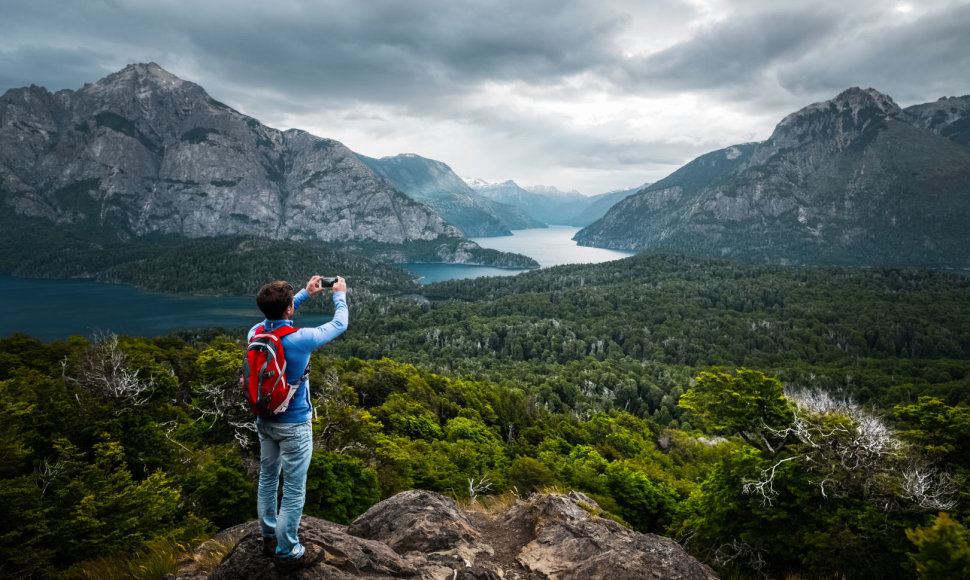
x,y
423,535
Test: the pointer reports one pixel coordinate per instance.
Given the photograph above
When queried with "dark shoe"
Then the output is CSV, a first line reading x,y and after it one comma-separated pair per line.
x,y
311,555
269,546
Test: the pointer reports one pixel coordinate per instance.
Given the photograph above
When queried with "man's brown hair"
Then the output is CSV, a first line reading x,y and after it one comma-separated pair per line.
x,y
274,298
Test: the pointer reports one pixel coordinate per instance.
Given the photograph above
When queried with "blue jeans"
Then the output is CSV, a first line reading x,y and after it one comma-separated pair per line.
x,y
283,448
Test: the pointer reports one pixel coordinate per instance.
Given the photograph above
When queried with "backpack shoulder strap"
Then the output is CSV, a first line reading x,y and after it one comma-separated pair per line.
x,y
279,333
284,330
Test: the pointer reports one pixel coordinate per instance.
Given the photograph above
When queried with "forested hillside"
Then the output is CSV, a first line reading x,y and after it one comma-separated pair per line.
x,y
225,266
779,422
864,332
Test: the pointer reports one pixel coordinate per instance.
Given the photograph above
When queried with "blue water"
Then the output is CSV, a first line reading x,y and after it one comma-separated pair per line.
x,y
55,309
552,246
428,273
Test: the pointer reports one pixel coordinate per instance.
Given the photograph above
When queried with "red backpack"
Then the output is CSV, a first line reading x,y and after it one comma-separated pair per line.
x,y
264,373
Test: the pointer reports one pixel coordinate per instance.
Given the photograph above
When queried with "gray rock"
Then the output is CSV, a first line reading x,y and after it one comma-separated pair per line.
x,y
417,521
423,535
570,544
345,556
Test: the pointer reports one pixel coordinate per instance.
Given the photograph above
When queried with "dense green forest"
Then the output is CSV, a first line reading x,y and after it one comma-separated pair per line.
x,y
226,265
779,422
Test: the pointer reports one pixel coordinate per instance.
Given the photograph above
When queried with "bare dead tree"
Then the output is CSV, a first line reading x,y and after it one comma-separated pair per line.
x,y
225,403
338,412
482,485
104,370
510,432
765,484
929,488
45,473
741,553
171,426
851,448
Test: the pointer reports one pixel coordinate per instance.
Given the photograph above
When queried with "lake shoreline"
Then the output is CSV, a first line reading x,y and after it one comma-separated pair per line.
x,y
84,306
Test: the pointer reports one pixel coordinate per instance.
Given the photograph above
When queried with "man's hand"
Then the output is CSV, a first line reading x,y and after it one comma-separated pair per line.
x,y
340,285
313,286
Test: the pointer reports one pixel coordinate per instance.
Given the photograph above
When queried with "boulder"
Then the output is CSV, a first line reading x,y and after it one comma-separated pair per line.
x,y
571,544
424,535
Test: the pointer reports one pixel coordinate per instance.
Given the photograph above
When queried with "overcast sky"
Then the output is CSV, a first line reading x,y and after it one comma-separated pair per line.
x,y
591,95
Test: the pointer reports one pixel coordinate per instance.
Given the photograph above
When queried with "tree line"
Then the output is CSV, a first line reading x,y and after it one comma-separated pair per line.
x,y
776,421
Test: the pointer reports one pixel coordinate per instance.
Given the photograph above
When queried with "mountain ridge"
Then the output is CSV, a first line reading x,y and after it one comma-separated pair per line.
x,y
847,181
435,184
548,204
141,152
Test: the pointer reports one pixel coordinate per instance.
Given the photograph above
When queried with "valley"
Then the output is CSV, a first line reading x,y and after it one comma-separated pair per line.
x,y
778,379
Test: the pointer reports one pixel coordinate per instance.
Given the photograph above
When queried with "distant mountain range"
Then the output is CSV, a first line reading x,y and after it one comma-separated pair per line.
x,y
550,205
855,180
434,184
142,152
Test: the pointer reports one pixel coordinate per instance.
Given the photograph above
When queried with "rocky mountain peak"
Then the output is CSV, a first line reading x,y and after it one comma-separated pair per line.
x,y
857,100
839,120
140,80
853,180
143,151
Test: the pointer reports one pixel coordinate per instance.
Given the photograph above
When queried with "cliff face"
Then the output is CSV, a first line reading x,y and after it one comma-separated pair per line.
x,y
419,534
142,151
848,181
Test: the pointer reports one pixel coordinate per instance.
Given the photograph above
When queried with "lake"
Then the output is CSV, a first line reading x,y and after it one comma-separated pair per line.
x,y
53,309
552,246
56,309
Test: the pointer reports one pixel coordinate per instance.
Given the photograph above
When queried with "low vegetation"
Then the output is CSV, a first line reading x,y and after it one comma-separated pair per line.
x,y
776,421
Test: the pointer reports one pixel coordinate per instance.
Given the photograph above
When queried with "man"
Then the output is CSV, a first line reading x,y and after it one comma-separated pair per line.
x,y
286,440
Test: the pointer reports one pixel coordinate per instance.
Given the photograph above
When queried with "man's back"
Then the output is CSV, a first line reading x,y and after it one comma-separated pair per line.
x,y
298,346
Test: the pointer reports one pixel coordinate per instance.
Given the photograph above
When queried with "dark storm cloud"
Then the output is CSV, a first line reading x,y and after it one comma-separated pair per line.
x,y
417,54
912,61
733,53
51,67
385,49
422,53
519,77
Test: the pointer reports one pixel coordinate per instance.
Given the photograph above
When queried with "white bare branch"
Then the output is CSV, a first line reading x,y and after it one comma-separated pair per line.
x,y
852,448
224,402
45,473
171,427
739,552
765,485
482,485
104,370
930,488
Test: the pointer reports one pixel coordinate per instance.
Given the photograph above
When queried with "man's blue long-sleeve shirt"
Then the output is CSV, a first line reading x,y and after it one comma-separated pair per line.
x,y
297,348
